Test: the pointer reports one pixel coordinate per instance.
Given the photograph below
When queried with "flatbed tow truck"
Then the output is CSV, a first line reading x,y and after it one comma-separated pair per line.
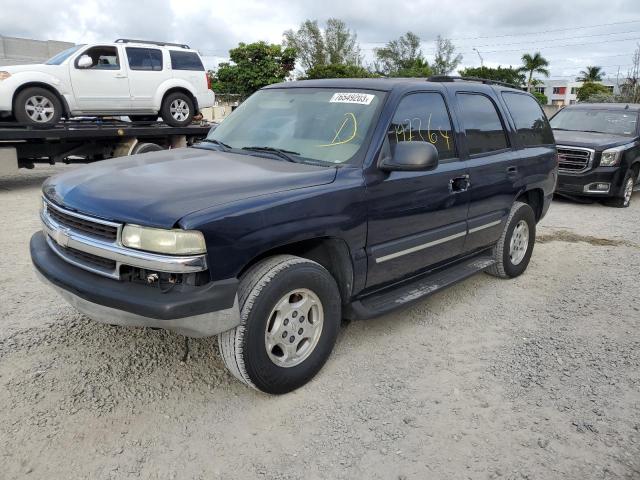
x,y
85,140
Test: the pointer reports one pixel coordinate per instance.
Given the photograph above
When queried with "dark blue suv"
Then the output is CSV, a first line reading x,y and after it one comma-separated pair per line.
x,y
313,202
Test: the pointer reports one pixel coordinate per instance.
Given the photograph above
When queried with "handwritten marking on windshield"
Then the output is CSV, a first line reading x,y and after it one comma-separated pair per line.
x,y
350,119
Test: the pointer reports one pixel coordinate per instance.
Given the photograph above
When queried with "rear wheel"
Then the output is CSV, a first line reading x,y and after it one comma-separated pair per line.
x,y
177,109
37,106
290,309
513,250
146,148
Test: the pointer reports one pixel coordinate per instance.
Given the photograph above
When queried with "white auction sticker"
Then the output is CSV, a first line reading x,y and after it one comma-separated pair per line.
x,y
359,98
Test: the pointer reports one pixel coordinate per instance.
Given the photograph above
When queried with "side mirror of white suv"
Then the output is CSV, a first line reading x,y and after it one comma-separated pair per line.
x,y
85,61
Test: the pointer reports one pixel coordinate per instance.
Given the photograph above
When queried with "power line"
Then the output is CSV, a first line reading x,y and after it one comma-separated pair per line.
x,y
538,32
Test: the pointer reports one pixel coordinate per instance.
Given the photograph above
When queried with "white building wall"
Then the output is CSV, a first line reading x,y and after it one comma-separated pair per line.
x,y
571,86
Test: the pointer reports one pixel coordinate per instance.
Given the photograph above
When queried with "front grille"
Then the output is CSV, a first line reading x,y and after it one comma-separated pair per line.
x,y
574,160
107,232
88,258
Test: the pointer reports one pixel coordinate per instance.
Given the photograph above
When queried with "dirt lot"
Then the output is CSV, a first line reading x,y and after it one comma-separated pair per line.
x,y
534,378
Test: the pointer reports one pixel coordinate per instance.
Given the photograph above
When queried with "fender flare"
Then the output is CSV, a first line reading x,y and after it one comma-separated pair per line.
x,y
173,84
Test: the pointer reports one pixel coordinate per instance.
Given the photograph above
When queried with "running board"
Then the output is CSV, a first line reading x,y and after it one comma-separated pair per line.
x,y
377,304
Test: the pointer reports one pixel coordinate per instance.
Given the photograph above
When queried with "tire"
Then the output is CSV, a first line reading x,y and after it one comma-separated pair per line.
x,y
37,106
177,109
624,200
262,289
513,262
143,118
146,148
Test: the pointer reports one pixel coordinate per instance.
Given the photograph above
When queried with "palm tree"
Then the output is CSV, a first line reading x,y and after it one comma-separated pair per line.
x,y
531,64
591,74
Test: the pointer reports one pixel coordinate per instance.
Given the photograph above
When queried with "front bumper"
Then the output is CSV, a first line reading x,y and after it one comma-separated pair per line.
x,y
191,311
584,183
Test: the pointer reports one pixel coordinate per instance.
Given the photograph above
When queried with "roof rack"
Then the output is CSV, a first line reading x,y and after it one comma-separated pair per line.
x,y
150,42
486,81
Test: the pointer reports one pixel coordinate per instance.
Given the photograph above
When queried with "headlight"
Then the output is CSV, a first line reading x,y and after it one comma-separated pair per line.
x,y
4,75
611,156
159,240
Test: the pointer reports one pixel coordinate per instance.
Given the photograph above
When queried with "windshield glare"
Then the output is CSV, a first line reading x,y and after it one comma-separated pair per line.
x,y
62,56
326,125
603,121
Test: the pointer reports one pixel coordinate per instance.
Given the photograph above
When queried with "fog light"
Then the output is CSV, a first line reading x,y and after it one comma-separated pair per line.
x,y
597,187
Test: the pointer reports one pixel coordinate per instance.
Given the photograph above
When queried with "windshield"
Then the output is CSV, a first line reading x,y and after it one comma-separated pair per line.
x,y
602,121
325,125
62,56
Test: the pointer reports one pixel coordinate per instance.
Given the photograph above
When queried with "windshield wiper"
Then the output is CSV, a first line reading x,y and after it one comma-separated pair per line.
x,y
218,142
284,154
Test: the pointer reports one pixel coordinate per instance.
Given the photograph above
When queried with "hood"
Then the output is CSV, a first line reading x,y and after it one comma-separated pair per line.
x,y
28,68
157,189
597,141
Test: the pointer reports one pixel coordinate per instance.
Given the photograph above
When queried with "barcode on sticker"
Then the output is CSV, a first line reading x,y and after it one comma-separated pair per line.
x,y
360,98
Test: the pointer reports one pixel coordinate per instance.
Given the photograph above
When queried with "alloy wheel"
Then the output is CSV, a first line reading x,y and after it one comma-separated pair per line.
x,y
294,328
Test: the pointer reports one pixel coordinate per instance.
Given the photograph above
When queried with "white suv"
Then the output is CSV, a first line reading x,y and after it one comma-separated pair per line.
x,y
128,77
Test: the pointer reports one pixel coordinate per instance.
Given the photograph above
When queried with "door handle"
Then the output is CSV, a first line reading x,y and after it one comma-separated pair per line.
x,y
119,75
512,171
459,184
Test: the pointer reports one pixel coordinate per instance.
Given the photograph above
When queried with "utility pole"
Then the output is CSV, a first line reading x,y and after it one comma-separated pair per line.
x,y
481,59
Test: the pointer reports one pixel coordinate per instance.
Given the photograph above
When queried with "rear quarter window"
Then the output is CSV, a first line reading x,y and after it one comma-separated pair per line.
x,y
185,61
532,126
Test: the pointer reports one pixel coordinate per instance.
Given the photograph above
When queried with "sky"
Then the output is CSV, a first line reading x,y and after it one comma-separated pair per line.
x,y
571,34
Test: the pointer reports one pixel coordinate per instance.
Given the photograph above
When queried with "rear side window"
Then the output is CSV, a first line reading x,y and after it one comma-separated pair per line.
x,y
423,117
533,127
144,58
185,60
482,124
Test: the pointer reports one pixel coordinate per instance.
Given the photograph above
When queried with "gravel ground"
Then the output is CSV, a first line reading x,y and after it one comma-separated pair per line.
x,y
532,378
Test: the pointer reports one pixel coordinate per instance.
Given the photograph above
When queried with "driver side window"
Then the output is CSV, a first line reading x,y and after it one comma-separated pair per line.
x,y
423,117
103,58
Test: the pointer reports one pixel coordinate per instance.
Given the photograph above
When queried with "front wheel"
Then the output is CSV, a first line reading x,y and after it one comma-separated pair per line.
x,y
290,312
513,250
37,106
624,200
177,109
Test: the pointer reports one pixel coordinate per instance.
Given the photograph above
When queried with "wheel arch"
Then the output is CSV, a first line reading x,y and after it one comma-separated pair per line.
x,y
330,252
180,89
63,101
535,199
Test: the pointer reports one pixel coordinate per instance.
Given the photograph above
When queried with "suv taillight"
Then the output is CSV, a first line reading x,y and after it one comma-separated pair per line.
x,y
208,80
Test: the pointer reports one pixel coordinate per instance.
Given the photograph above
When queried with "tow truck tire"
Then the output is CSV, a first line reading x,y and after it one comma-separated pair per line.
x,y
37,106
624,200
146,148
177,109
290,312
143,118
515,246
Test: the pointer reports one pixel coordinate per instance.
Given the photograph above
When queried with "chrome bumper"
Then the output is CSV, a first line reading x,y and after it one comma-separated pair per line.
x,y
59,237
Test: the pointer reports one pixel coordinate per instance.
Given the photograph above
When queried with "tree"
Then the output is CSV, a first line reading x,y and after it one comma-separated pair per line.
x,y
402,58
531,64
591,89
500,74
446,60
337,70
335,45
541,97
591,74
630,88
254,66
